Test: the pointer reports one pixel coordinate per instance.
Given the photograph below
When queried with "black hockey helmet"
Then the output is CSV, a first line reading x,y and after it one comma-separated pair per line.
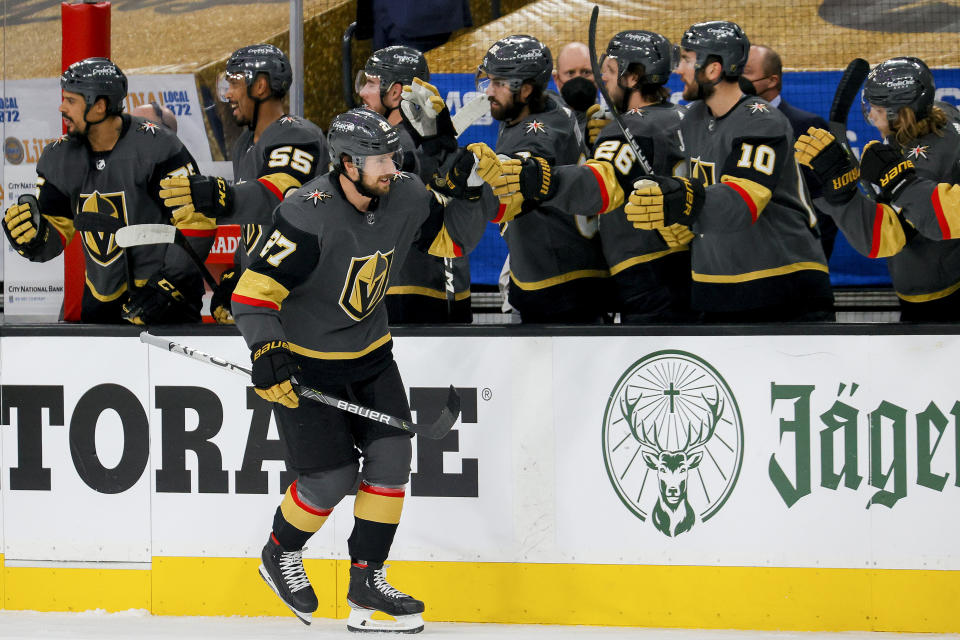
x,y
516,59
720,38
95,78
397,63
359,133
247,63
900,82
652,50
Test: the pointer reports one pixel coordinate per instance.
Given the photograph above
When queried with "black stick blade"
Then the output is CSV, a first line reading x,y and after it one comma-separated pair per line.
x,y
848,88
445,421
100,222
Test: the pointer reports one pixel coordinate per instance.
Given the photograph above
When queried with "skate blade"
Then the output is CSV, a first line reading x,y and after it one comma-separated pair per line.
x,y
361,621
305,618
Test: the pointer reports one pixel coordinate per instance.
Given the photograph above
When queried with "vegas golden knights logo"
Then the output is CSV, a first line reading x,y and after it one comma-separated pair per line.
x,y
703,171
366,284
101,245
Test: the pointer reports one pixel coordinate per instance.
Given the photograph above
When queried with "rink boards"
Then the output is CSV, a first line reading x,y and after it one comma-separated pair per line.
x,y
788,481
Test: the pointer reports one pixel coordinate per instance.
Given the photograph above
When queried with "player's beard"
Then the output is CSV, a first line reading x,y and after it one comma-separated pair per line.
x,y
700,89
373,187
506,113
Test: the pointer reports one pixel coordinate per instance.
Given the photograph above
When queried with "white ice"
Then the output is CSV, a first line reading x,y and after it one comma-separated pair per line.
x,y
140,625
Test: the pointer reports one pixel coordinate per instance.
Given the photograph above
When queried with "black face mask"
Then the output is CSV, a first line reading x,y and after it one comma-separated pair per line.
x,y
747,86
579,93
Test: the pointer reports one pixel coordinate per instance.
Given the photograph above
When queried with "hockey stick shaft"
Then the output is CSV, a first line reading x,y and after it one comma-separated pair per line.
x,y
141,234
435,430
598,77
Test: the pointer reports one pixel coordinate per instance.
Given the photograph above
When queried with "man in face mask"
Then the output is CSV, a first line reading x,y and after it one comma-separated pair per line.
x,y
574,79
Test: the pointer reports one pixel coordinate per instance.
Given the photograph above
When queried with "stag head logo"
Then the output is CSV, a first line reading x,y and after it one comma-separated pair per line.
x,y
672,440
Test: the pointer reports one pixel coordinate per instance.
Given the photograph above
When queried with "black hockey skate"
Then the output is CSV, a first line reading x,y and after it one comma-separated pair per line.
x,y
283,571
370,592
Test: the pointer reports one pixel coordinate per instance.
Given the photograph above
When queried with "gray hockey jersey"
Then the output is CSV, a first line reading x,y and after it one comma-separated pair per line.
x,y
325,268
556,263
124,184
754,246
290,152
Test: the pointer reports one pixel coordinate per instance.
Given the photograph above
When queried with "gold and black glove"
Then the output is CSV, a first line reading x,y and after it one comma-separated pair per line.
x,y
24,227
274,372
657,202
886,170
209,196
597,119
160,301
838,172
220,300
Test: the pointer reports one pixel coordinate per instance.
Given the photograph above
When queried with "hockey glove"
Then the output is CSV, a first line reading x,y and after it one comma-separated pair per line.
x,y
159,301
428,118
274,372
676,235
26,229
819,150
528,178
885,170
464,172
597,119
209,196
658,202
220,300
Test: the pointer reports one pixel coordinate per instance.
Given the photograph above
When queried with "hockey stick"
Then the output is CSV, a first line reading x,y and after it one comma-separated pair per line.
x,y
141,234
434,430
853,77
598,76
469,113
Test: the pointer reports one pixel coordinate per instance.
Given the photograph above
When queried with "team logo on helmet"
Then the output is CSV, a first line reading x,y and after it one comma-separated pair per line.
x,y
101,245
672,440
365,284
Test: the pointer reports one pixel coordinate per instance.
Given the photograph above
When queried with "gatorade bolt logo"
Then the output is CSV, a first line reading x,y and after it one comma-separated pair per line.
x,y
101,246
365,284
672,440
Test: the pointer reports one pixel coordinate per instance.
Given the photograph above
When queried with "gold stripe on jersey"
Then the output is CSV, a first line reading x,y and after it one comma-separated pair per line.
x,y
566,277
758,194
106,297
888,237
301,515
611,193
64,227
280,183
340,355
927,297
946,205
260,287
649,257
443,245
763,273
378,505
410,290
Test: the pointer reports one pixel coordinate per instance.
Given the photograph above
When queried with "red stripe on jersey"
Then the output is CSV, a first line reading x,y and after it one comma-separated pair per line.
x,y
746,198
502,209
304,505
877,228
457,249
271,187
604,196
381,491
938,209
255,302
199,233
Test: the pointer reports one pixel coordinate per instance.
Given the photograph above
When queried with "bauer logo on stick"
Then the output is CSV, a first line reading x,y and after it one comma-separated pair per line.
x,y
672,440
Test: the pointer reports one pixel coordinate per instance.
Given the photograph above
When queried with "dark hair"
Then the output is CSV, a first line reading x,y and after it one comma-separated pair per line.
x,y
649,91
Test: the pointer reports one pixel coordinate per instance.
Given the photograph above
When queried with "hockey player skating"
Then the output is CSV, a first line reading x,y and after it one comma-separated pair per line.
x,y
309,307
275,154
557,270
922,139
107,170
650,269
754,256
